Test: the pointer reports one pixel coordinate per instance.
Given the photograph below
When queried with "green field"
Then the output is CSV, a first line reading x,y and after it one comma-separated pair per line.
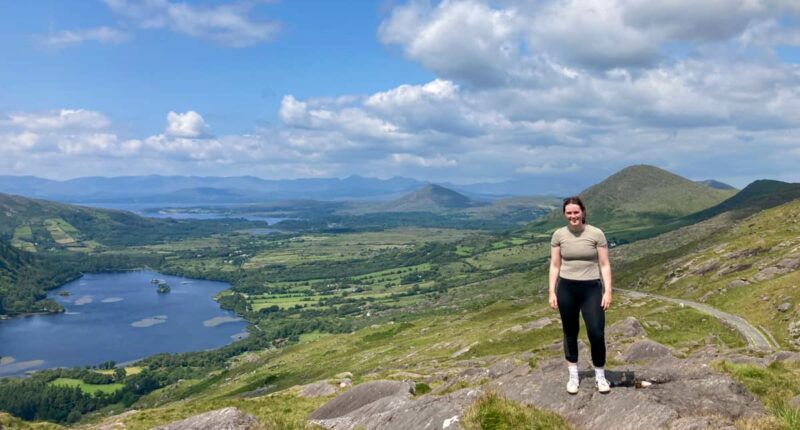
x,y
87,388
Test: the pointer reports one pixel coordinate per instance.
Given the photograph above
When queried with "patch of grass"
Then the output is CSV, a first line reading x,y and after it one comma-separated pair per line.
x,y
774,385
87,388
422,388
387,334
494,412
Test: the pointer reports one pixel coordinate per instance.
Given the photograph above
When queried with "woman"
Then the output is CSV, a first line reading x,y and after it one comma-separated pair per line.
x,y
578,261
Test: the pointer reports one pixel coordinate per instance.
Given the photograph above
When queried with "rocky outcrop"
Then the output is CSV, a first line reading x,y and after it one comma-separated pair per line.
x,y
682,392
645,350
654,390
221,419
389,405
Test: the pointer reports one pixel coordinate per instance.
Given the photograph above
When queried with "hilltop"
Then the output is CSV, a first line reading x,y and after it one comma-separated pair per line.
x,y
640,197
430,198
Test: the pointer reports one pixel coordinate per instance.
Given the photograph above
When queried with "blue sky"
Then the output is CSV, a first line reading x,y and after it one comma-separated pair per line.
x,y
555,91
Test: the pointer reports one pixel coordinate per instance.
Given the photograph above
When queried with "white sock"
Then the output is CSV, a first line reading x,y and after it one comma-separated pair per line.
x,y
573,371
599,372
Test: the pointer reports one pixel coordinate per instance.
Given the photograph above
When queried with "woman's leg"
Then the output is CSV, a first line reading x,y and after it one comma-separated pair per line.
x,y
569,308
595,319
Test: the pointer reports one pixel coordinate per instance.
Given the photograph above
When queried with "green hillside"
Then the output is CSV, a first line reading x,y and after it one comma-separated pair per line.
x,y
746,266
638,198
35,225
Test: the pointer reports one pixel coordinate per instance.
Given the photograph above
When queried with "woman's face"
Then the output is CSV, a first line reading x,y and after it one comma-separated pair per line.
x,y
574,215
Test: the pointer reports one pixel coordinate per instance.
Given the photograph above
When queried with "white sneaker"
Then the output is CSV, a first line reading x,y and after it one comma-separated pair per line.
x,y
572,385
602,385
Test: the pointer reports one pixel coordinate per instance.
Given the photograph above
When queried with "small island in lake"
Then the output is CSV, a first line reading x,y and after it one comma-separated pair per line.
x,y
64,293
163,287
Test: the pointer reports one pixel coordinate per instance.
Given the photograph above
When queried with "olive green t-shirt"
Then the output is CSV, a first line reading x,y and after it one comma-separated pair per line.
x,y
579,252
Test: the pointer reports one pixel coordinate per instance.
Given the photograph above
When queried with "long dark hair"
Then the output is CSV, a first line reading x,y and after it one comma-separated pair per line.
x,y
574,200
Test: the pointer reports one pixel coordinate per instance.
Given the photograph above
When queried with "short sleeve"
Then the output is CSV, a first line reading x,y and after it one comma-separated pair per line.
x,y
601,238
556,239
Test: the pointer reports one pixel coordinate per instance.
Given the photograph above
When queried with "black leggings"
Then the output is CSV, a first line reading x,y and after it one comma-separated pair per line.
x,y
575,297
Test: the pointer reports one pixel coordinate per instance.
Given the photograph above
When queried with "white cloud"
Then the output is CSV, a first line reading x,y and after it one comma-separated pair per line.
x,y
58,120
67,38
189,124
226,25
434,161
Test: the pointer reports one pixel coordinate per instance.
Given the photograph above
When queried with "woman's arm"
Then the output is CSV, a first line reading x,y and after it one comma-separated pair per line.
x,y
605,272
555,267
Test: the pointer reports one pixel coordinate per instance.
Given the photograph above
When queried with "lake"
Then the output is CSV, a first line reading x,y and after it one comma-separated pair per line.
x,y
185,211
119,317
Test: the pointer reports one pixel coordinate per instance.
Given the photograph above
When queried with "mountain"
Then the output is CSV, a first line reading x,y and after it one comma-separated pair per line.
x,y
759,195
717,185
639,197
430,198
199,190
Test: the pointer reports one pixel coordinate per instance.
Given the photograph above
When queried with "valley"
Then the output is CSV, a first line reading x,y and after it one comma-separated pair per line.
x,y
427,287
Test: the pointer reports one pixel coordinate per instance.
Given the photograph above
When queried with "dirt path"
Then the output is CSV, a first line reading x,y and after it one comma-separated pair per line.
x,y
755,339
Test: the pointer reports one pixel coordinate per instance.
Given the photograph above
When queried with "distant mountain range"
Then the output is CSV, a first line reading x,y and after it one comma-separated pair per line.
x,y
197,190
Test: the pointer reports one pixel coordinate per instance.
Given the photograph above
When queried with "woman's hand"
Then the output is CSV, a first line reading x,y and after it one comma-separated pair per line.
x,y
553,300
606,301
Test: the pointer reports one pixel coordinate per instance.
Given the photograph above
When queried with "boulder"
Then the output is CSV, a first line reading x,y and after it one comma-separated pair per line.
x,y
783,307
628,328
221,419
645,350
361,395
737,283
768,273
395,411
317,389
794,402
791,263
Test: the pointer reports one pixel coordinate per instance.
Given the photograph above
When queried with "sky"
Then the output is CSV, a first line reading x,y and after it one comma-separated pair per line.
x,y
466,91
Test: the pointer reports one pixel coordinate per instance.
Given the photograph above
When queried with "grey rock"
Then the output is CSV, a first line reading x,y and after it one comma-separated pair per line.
x,y
794,402
463,350
317,389
540,323
783,307
360,395
501,367
684,391
645,350
784,356
627,328
768,273
693,423
737,283
791,263
705,297
732,269
705,268
401,412
516,328
221,419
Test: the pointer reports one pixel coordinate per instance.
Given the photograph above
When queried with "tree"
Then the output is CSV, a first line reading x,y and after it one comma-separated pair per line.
x,y
119,374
